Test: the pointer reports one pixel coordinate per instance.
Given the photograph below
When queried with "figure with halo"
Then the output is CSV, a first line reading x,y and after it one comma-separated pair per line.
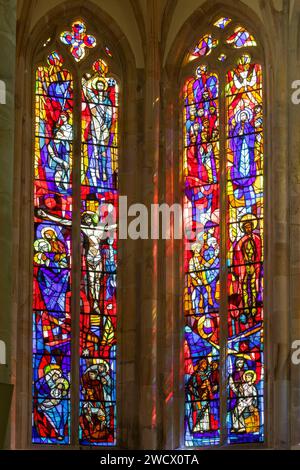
x,y
99,129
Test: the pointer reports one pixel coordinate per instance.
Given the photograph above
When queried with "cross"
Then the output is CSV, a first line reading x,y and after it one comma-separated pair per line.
x,y
78,40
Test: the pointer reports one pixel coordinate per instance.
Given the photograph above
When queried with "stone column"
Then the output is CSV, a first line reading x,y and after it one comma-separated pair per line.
x,y
277,314
147,311
294,216
7,74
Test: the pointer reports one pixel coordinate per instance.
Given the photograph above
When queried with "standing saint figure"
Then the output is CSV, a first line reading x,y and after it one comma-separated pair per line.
x,y
242,143
204,273
59,152
200,389
101,115
246,403
247,263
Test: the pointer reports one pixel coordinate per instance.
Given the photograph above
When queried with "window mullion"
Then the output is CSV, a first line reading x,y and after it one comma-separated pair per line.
x,y
223,263
76,263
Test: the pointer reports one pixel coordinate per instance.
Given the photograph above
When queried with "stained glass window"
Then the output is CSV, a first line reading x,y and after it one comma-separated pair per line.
x,y
244,168
202,264
52,252
223,263
65,173
99,201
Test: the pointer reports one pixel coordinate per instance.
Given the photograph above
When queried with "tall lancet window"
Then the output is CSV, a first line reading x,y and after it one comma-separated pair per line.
x,y
223,107
75,242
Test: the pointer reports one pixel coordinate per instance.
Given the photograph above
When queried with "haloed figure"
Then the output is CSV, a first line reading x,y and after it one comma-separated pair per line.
x,y
203,270
209,162
59,152
97,388
101,112
50,411
246,404
202,386
247,257
243,170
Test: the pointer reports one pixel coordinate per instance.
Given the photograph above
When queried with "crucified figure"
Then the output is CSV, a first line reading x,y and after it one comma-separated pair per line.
x,y
94,233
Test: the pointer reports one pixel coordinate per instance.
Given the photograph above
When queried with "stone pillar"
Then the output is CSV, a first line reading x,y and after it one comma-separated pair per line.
x,y
294,216
172,319
147,312
277,315
128,366
7,84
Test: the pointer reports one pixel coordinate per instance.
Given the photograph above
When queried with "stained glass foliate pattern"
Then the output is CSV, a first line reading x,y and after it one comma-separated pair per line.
x,y
99,205
208,43
204,47
222,22
241,38
243,218
78,40
222,57
202,264
52,253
